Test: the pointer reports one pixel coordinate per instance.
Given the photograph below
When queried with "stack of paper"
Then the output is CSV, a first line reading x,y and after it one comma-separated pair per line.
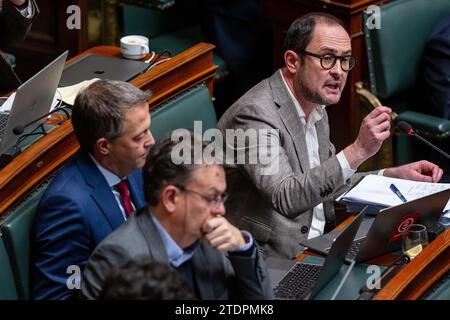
x,y
375,191
68,94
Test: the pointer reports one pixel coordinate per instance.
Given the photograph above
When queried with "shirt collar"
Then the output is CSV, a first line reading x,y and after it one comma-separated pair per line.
x,y
318,111
177,256
111,178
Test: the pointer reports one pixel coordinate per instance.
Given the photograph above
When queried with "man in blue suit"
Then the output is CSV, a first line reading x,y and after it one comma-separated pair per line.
x,y
96,191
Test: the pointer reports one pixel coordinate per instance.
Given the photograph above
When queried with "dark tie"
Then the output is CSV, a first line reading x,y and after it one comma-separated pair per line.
x,y
122,188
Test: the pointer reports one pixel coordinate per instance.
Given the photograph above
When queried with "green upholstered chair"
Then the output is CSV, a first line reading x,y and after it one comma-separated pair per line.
x,y
181,112
15,228
394,54
8,289
175,29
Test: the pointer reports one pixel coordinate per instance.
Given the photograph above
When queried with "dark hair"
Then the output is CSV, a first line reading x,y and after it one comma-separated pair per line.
x,y
168,164
300,32
145,279
99,110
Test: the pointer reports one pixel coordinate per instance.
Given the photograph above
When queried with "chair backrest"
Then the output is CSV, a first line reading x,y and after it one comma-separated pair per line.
x,y
153,22
394,51
16,230
8,289
182,111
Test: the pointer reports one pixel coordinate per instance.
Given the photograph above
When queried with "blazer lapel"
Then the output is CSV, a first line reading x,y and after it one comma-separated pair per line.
x,y
202,275
136,186
151,234
289,116
100,191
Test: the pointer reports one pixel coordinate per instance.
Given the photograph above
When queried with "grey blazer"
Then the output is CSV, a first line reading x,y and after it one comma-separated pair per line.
x,y
277,208
214,273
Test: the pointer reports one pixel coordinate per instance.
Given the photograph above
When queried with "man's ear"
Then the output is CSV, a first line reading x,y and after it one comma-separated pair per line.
x,y
170,198
102,147
292,60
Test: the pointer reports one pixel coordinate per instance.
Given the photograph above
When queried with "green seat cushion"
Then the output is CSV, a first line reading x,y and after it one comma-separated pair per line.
x,y
16,228
394,50
182,111
175,29
7,286
180,40
425,122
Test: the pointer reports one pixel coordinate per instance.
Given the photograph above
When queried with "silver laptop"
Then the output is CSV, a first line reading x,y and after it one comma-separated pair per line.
x,y
305,280
382,234
33,100
92,66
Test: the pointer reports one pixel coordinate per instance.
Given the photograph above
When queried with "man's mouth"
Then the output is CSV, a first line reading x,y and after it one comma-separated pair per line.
x,y
333,85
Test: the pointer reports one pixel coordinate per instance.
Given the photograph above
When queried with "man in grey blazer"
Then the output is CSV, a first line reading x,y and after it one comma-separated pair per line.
x,y
184,227
16,17
294,200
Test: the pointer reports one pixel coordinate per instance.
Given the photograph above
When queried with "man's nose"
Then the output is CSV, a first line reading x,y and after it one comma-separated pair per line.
x,y
150,140
218,210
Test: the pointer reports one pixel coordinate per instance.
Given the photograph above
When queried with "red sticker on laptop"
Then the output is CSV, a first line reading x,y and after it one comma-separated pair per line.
x,y
404,223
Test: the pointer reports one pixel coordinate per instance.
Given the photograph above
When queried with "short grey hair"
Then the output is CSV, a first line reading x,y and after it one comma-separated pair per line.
x,y
99,110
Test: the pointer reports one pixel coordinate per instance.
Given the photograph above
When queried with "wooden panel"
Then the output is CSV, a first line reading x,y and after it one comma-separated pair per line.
x,y
49,36
46,156
420,274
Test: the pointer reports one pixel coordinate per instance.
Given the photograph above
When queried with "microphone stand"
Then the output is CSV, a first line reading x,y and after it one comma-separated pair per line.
x,y
430,145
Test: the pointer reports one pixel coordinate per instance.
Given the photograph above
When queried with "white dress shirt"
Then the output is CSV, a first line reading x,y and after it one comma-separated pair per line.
x,y
312,142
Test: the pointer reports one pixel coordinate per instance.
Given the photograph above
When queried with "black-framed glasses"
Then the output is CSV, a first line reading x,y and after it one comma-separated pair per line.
x,y
215,202
327,61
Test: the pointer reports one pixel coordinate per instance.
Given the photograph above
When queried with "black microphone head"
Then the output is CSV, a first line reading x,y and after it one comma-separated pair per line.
x,y
405,127
18,130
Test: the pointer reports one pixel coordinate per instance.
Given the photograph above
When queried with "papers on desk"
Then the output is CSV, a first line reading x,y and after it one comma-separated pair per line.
x,y
374,191
69,93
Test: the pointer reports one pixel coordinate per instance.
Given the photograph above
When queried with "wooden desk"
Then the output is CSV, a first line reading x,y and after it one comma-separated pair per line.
x,y
45,157
414,279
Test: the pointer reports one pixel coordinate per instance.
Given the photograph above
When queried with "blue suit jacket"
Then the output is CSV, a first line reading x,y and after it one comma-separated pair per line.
x,y
76,212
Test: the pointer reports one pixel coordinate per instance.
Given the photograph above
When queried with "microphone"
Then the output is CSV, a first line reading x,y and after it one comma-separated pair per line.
x,y
19,129
406,128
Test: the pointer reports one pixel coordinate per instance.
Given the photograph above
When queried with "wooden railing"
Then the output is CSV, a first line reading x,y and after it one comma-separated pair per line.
x,y
48,154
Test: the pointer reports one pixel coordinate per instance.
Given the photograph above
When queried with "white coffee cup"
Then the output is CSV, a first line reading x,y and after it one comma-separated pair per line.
x,y
134,47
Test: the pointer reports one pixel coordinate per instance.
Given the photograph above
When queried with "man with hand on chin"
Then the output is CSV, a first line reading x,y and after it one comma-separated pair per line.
x,y
184,226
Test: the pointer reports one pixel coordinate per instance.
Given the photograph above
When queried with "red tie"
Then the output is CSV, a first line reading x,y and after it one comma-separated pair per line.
x,y
122,188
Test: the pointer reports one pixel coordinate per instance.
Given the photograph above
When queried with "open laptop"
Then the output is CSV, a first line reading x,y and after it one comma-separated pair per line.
x,y
33,100
382,234
93,66
305,280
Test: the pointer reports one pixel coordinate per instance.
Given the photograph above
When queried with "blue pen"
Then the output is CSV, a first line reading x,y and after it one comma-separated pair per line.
x,y
397,192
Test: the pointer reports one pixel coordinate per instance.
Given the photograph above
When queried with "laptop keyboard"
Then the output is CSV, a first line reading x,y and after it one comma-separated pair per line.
x,y
4,116
298,282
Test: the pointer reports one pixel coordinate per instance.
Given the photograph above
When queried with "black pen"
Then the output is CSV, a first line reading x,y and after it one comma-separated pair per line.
x,y
397,192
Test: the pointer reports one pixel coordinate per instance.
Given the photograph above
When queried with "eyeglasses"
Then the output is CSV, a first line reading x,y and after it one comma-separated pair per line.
x,y
215,202
327,61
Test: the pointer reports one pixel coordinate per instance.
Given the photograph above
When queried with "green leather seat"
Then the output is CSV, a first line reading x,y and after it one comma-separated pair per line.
x,y
15,229
7,286
394,53
175,29
182,111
